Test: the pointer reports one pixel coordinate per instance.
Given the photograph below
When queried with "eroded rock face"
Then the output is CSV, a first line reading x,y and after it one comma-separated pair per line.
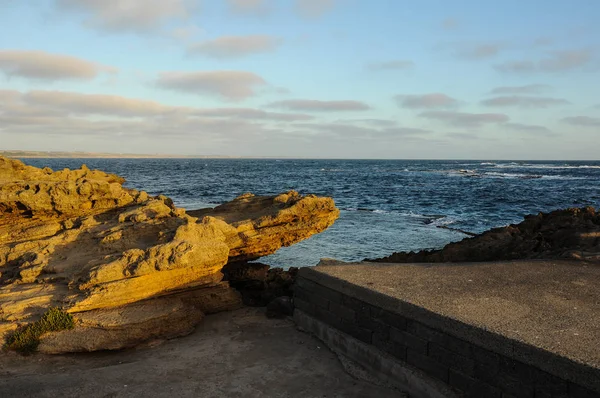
x,y
256,226
79,240
566,234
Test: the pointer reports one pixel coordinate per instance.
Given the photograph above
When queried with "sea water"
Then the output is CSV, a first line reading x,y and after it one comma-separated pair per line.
x,y
386,205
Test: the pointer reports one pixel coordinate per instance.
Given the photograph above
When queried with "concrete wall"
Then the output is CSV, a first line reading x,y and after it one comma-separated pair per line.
x,y
473,362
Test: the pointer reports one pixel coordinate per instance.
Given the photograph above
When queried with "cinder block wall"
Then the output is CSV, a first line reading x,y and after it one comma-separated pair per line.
x,y
475,370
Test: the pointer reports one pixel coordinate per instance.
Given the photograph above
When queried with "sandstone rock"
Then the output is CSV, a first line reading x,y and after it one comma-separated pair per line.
x,y
571,233
128,267
257,226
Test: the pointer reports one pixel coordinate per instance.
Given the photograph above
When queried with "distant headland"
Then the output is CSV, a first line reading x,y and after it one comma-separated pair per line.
x,y
81,154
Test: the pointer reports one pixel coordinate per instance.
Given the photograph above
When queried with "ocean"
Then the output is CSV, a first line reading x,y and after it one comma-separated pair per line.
x,y
386,205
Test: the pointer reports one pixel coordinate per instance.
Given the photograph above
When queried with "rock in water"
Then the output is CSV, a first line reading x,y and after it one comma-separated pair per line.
x,y
126,266
567,234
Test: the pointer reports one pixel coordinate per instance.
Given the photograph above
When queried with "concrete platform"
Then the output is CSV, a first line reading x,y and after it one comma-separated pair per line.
x,y
542,313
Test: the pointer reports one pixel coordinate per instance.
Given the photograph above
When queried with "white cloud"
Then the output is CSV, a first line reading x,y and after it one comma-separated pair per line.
x,y
461,119
320,106
527,89
232,85
313,8
41,65
139,16
426,101
401,64
249,7
524,101
235,46
558,61
40,103
584,121
529,128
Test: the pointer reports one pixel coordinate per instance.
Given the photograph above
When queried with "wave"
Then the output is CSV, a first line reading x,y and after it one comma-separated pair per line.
x,y
523,176
546,166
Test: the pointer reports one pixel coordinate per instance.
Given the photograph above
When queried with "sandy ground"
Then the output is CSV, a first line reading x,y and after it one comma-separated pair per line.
x,y
235,354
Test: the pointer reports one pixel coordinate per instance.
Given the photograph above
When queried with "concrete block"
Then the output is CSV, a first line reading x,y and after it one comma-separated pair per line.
x,y
455,361
342,311
427,365
413,342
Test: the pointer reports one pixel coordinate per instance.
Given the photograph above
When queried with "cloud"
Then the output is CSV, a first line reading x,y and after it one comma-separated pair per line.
x,y
76,103
185,33
516,67
63,104
140,16
565,60
528,89
313,8
401,64
524,102
584,121
235,46
249,7
371,122
529,128
450,24
321,106
460,119
426,101
558,61
41,65
233,85
473,51
463,136
480,51
348,130
251,114
543,42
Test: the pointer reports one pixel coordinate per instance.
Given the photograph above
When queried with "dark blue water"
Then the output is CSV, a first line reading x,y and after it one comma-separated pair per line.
x,y
387,205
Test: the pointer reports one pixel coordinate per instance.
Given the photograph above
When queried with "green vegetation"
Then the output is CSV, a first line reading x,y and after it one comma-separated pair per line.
x,y
27,338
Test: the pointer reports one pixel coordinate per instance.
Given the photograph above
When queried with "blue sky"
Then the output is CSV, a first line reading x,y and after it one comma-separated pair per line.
x,y
303,78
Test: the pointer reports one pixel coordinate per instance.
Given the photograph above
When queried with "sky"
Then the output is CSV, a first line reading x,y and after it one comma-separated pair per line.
x,y
427,79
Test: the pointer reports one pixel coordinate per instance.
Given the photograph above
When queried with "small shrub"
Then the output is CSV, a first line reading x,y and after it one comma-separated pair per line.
x,y
27,338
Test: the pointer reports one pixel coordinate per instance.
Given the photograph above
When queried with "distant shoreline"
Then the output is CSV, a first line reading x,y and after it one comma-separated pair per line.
x,y
100,155
93,155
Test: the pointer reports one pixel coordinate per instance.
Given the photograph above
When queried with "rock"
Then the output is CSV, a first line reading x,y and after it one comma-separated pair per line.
x,y
78,240
567,234
258,283
260,225
280,307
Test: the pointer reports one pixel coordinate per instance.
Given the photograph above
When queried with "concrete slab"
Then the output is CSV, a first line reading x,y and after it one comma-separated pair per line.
x,y
550,305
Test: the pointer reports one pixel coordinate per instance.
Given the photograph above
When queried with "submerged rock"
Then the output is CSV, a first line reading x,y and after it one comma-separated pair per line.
x,y
127,266
561,234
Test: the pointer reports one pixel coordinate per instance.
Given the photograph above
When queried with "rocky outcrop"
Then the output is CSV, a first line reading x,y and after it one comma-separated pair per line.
x,y
126,266
258,283
258,226
562,234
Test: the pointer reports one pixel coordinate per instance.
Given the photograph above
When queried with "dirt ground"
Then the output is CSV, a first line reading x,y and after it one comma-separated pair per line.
x,y
234,354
